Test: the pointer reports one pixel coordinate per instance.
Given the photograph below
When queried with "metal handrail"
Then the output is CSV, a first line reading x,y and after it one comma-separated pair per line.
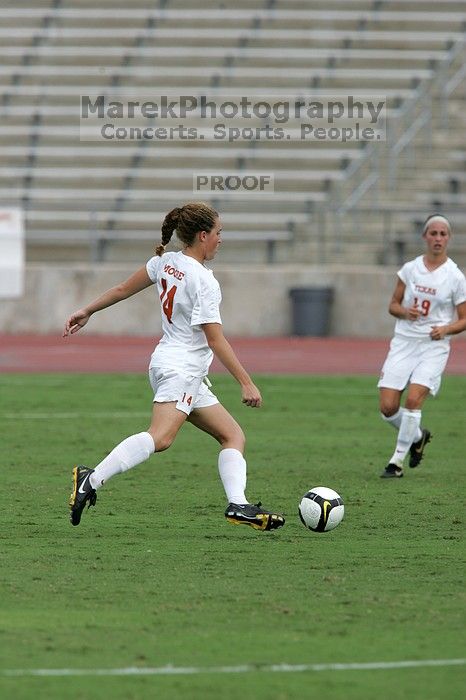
x,y
382,162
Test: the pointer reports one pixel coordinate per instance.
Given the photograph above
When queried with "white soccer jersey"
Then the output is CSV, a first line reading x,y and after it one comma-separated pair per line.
x,y
436,294
189,296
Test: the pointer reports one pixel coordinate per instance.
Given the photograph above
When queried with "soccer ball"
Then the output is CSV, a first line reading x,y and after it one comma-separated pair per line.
x,y
321,509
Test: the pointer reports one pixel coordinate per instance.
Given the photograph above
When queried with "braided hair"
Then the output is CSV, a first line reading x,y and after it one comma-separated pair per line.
x,y
187,221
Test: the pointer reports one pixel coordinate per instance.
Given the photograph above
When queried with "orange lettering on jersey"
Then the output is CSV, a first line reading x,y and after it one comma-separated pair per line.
x,y
425,290
170,270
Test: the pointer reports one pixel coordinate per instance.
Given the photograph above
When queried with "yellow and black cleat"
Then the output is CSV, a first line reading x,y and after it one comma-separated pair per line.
x,y
81,494
416,451
392,471
254,516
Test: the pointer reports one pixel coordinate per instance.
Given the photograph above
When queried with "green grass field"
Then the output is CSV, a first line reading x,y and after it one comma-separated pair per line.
x,y
154,576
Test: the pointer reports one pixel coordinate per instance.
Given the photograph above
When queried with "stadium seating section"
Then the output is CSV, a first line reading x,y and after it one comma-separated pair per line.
x,y
360,202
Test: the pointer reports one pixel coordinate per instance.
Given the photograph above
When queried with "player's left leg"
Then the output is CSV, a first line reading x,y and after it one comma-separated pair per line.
x,y
409,430
216,421
417,394
425,379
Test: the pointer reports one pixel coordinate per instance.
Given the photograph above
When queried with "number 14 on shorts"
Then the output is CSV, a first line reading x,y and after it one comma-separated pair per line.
x,y
187,399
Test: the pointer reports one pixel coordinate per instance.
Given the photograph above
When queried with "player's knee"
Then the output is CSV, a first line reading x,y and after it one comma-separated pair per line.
x,y
233,436
414,404
162,441
416,397
388,408
240,437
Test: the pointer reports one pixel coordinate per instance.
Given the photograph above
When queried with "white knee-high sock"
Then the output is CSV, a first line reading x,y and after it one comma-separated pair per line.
x,y
232,470
395,421
407,433
129,453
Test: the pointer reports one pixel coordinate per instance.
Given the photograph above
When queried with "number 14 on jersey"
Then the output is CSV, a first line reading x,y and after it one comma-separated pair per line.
x,y
167,299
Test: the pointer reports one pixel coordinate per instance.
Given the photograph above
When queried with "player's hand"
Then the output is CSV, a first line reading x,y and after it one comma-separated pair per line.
x,y
251,396
438,332
75,322
412,313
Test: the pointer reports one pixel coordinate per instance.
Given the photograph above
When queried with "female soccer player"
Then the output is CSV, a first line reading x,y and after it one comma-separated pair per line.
x,y
429,303
192,333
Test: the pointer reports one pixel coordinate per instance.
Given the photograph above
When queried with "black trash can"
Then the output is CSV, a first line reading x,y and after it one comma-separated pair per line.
x,y
311,308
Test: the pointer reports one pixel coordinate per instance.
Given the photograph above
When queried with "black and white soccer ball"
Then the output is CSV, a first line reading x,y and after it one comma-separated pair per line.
x,y
321,509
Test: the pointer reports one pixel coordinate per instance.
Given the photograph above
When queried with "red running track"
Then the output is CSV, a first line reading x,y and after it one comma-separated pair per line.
x,y
288,355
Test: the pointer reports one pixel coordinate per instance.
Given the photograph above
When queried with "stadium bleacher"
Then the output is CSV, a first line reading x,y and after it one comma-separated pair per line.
x,y
106,200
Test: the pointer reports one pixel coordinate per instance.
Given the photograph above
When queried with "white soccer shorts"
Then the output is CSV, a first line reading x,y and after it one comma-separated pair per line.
x,y
415,361
189,392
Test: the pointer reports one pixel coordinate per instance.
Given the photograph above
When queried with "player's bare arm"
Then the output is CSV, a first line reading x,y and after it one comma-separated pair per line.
x,y
222,349
138,281
458,326
396,307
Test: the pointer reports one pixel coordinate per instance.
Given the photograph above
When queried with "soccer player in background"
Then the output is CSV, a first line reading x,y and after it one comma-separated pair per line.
x,y
429,303
190,298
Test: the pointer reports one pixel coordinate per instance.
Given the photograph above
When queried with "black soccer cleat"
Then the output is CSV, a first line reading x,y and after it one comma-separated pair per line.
x,y
254,516
81,494
392,471
416,451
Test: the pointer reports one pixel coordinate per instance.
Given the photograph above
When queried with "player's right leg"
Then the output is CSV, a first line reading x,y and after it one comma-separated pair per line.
x,y
409,432
171,405
81,494
396,372
392,413
389,403
135,449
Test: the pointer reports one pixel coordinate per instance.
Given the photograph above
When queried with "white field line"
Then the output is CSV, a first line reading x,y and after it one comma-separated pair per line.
x,y
59,415
247,668
4,381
